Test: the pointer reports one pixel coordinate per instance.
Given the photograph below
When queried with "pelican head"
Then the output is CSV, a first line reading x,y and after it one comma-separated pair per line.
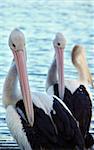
x,y
17,40
79,61
59,45
17,45
59,41
78,54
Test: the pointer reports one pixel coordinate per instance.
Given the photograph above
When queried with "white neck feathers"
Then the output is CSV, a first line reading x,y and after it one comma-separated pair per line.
x,y
10,91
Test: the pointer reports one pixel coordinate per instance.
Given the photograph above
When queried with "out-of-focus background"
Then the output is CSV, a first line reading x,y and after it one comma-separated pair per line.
x,y
40,20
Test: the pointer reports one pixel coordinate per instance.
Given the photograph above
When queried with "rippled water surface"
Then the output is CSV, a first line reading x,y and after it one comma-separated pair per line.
x,y
40,20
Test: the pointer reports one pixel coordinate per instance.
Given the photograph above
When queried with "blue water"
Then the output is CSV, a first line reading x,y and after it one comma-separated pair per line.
x,y
40,20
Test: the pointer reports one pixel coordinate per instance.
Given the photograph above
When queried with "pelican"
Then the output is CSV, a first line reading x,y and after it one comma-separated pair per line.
x,y
36,120
77,95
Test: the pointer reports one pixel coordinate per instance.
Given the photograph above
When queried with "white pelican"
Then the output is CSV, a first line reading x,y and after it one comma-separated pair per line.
x,y
36,120
77,97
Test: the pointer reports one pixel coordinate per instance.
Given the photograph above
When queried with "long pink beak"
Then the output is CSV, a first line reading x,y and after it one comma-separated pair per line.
x,y
60,69
19,57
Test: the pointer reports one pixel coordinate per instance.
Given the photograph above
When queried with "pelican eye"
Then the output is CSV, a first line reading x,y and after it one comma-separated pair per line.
x,y
58,44
13,45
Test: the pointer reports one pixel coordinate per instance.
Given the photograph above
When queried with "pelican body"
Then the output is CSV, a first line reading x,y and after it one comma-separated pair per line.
x,y
36,120
76,94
